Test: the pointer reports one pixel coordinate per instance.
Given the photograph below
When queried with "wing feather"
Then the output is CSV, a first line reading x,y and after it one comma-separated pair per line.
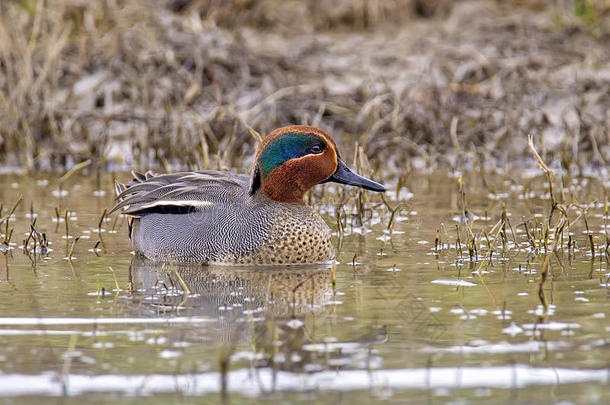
x,y
178,192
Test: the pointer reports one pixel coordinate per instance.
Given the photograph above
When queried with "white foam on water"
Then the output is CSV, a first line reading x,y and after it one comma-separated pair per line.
x,y
552,325
458,283
26,321
531,346
252,382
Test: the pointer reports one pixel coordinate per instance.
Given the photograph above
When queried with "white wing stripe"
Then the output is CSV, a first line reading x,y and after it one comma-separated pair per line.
x,y
179,203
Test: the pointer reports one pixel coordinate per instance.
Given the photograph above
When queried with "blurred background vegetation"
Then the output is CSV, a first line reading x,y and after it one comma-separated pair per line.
x,y
175,84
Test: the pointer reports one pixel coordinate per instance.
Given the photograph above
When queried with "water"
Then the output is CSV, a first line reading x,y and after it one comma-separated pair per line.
x,y
393,320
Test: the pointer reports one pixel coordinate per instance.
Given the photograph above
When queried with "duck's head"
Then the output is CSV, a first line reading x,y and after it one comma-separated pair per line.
x,y
293,159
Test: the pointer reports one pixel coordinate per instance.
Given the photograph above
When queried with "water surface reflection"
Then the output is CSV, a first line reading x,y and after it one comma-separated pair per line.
x,y
269,309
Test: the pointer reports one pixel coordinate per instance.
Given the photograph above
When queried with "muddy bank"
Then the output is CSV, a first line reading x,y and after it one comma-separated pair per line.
x,y
129,85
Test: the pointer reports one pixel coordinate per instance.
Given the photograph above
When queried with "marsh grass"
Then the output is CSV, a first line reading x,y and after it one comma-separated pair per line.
x,y
548,237
181,84
8,232
70,254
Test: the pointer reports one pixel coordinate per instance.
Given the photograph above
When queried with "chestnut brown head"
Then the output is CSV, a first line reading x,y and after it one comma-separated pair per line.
x,y
293,159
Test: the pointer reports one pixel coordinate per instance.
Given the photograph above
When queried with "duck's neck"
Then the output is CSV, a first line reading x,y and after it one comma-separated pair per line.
x,y
293,195
281,185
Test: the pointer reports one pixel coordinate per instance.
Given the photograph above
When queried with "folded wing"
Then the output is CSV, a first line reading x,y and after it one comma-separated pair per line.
x,y
179,193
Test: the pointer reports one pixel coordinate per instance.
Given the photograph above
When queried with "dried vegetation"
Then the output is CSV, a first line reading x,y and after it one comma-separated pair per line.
x,y
178,83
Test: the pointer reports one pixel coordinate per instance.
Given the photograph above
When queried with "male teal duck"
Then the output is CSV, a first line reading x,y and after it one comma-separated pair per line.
x,y
215,217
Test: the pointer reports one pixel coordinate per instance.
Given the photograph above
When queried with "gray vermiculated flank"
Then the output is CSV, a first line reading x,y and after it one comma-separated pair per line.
x,y
234,228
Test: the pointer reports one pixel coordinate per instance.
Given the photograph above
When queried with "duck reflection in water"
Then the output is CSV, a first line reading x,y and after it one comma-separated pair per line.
x,y
274,311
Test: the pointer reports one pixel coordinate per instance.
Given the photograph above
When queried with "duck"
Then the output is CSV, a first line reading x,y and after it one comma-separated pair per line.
x,y
213,217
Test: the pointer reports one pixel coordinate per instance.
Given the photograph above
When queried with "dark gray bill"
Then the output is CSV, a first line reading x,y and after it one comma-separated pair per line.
x,y
344,175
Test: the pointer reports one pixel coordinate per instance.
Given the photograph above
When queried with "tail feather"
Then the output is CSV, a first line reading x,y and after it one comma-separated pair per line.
x,y
119,187
137,176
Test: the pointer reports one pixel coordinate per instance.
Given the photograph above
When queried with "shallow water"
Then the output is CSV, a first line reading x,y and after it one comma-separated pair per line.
x,y
394,319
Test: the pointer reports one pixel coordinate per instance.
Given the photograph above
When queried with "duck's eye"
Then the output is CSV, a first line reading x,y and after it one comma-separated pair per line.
x,y
316,149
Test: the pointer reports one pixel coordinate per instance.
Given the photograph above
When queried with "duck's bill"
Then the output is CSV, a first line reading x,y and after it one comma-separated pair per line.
x,y
344,175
